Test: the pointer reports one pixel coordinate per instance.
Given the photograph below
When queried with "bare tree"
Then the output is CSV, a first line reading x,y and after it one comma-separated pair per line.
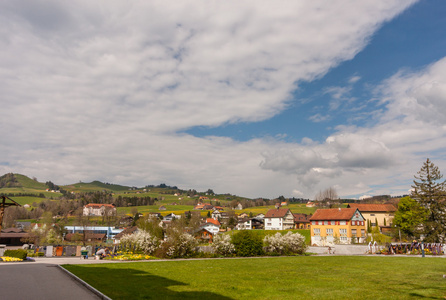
x,y
328,194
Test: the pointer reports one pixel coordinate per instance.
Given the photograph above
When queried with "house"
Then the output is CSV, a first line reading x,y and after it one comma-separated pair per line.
x,y
337,225
310,204
13,236
99,209
378,214
243,216
204,234
171,217
204,206
260,216
211,225
238,206
129,230
301,221
154,215
283,203
279,219
162,207
244,224
256,223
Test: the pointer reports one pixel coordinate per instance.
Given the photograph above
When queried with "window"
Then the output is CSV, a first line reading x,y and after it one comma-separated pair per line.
x,y
353,232
343,231
362,232
332,223
372,215
317,231
329,231
326,223
313,222
344,238
343,223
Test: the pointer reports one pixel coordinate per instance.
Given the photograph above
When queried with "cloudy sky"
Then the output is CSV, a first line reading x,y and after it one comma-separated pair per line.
x,y
254,98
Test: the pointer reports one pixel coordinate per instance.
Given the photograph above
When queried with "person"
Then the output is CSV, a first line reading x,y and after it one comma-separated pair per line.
x,y
101,253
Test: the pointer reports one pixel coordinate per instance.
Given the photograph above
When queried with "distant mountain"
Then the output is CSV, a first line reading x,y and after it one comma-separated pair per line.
x,y
95,186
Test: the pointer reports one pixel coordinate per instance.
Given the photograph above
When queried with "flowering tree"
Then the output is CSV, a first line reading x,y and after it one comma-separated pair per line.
x,y
285,244
179,245
141,241
222,244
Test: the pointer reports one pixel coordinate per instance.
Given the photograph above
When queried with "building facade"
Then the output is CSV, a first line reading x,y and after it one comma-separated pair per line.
x,y
337,226
279,219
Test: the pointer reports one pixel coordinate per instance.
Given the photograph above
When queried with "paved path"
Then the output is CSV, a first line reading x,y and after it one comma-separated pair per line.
x,y
39,281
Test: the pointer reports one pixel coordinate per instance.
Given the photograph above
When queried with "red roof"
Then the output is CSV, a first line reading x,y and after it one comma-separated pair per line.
x,y
333,214
213,221
373,207
277,213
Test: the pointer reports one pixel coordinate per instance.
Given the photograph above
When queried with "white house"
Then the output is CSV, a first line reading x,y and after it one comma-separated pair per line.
x,y
279,219
244,224
98,209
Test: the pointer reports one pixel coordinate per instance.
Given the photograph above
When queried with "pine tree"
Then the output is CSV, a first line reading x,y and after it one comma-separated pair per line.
x,y
429,191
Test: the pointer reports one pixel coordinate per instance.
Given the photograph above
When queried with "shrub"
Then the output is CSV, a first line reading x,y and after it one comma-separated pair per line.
x,y
176,246
140,242
290,243
222,245
247,243
19,253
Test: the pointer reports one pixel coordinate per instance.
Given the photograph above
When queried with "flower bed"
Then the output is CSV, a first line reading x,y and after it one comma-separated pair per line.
x,y
10,259
128,256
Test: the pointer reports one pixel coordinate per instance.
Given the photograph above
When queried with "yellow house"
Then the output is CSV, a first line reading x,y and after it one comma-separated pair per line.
x,y
380,215
337,225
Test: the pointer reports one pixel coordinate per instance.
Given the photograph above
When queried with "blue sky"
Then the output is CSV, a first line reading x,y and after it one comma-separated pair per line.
x,y
411,40
254,98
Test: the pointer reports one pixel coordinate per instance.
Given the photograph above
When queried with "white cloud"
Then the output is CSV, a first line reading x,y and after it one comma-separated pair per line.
x,y
99,90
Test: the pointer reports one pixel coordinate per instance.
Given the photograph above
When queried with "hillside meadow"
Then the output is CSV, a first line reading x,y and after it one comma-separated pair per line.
x,y
301,277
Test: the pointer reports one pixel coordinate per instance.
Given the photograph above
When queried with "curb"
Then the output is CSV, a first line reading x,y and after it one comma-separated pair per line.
x,y
92,289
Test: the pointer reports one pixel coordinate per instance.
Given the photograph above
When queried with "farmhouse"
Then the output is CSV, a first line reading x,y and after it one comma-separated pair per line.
x,y
98,209
302,221
378,214
343,225
279,219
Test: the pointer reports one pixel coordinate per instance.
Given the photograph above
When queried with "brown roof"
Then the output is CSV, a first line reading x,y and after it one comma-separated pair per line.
x,y
301,218
373,207
333,214
277,213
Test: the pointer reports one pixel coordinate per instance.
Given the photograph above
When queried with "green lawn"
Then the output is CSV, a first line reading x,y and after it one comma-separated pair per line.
x,y
303,277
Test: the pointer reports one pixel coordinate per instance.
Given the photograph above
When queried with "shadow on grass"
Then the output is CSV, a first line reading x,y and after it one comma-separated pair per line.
x,y
414,290
136,284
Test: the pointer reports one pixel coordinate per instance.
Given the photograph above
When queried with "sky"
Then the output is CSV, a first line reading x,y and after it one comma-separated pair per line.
x,y
252,98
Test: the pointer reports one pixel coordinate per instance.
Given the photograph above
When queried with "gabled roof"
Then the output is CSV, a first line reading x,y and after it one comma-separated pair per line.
x,y
373,207
301,218
333,214
277,213
213,221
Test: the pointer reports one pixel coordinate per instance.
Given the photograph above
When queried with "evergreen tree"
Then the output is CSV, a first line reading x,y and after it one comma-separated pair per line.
x,y
429,192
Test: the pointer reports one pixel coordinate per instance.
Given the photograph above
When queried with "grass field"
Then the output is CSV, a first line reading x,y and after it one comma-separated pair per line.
x,y
303,277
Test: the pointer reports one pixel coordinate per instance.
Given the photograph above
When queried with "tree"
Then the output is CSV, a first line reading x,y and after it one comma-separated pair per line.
x,y
247,243
429,191
409,217
327,194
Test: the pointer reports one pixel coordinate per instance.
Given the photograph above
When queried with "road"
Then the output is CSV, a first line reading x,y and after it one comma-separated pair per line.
x,y
39,281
